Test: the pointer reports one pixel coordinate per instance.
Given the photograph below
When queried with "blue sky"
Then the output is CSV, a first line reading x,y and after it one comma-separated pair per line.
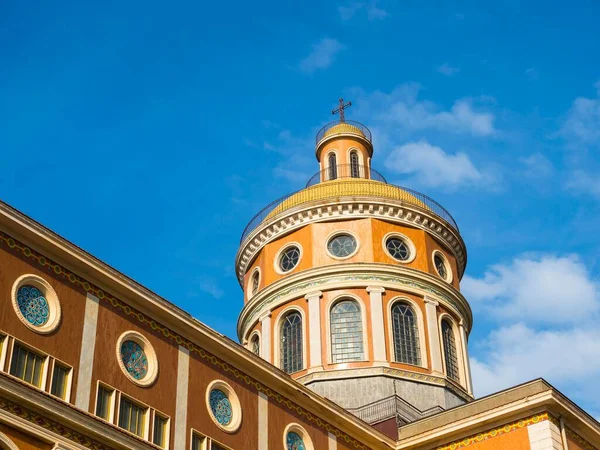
x,y
150,134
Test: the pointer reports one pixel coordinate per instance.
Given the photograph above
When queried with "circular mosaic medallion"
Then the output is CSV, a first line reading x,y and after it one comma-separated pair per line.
x,y
134,359
33,305
221,407
294,441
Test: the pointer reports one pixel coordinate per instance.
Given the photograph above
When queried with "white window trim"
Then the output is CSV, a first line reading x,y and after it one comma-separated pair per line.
x,y
299,429
4,338
326,164
143,342
249,345
146,435
69,379
458,349
449,273
50,296
251,294
207,441
363,313
236,406
411,246
336,233
279,254
277,335
45,364
167,431
361,161
112,405
420,328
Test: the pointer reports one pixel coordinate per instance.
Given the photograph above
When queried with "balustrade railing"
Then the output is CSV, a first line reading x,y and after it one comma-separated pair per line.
x,y
359,127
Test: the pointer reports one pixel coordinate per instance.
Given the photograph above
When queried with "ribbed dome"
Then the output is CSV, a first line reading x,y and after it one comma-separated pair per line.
x,y
348,187
343,128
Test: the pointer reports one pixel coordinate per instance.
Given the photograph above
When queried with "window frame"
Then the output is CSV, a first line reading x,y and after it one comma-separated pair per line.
x,y
420,322
146,420
54,309
280,253
449,273
112,407
148,349
301,431
167,431
68,380
331,171
457,348
45,363
361,315
334,235
278,329
206,443
409,243
255,335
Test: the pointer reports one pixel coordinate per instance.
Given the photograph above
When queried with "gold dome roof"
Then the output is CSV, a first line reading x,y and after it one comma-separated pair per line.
x,y
347,187
343,127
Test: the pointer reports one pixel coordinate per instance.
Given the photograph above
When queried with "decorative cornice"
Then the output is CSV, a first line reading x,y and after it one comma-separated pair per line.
x,y
581,441
495,432
144,320
358,207
357,275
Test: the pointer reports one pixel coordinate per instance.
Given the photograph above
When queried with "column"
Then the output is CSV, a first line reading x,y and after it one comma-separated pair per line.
x,y
314,331
263,421
434,336
377,324
181,399
465,355
265,337
86,356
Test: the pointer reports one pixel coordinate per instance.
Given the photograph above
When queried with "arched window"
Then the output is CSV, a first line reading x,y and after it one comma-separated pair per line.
x,y
332,166
255,281
291,343
450,350
346,332
406,334
255,345
354,168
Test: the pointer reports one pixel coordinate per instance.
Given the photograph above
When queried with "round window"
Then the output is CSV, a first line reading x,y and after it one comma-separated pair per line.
x,y
137,358
33,305
36,304
220,407
398,248
134,359
294,441
440,265
289,258
342,245
223,406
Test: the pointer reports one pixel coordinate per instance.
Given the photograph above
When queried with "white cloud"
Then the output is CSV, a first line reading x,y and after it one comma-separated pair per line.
x,y
373,11
448,70
546,289
211,288
537,166
547,310
431,166
582,124
322,55
581,182
519,353
402,108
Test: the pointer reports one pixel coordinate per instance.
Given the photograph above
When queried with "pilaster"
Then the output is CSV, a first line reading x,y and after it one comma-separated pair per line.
x,y
377,323
544,436
314,332
86,357
181,399
265,342
433,332
465,355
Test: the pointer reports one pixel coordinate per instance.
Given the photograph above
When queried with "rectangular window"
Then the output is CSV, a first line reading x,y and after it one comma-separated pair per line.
x,y
159,434
60,380
27,365
132,416
215,446
104,402
2,345
198,442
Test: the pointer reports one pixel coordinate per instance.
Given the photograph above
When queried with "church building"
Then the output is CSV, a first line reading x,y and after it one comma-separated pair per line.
x,y
353,336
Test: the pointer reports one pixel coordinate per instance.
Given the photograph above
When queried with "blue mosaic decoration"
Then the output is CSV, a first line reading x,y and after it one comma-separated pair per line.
x,y
134,359
33,305
294,441
220,407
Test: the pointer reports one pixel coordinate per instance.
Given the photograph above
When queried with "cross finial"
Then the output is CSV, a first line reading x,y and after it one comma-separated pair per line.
x,y
340,109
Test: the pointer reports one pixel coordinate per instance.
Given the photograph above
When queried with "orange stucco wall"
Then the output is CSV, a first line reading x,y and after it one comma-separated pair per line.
x,y
369,233
342,148
515,440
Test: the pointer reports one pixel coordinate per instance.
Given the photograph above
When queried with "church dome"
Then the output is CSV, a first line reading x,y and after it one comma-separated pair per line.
x,y
343,128
347,187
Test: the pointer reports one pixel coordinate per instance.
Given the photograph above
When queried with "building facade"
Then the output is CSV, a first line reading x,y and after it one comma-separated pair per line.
x,y
353,336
